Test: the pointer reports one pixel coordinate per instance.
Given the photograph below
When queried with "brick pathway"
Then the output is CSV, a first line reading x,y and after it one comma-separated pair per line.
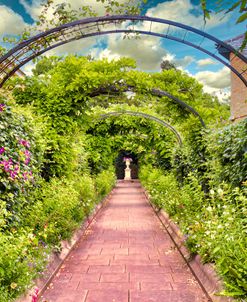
x,y
126,256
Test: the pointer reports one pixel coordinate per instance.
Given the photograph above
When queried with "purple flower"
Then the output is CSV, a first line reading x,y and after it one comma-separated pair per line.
x,y
27,155
7,164
27,161
25,175
24,143
2,149
17,168
2,107
13,174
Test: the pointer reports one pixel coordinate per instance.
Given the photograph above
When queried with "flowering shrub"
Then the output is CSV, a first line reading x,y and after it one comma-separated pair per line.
x,y
18,163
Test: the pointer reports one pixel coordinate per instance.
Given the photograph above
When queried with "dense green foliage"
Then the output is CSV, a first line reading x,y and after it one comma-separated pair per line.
x,y
38,209
72,150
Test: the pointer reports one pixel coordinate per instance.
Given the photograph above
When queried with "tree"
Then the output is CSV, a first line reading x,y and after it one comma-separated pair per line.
x,y
167,65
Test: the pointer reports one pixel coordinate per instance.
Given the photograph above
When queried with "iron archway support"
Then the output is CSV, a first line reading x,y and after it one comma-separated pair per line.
x,y
39,44
147,116
161,93
155,92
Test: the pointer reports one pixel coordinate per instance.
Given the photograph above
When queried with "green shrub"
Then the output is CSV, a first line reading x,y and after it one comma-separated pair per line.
x,y
227,148
164,190
22,259
104,182
60,207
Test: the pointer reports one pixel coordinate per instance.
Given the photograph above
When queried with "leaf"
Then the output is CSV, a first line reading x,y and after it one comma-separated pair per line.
x,y
243,6
242,18
215,250
233,7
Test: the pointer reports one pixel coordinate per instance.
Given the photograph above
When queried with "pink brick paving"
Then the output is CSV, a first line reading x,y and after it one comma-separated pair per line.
x,y
125,256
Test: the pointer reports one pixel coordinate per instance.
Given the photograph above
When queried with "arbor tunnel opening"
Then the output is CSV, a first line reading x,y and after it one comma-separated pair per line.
x,y
120,164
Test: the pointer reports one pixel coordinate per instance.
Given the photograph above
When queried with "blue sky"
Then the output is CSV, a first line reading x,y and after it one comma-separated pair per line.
x,y
15,15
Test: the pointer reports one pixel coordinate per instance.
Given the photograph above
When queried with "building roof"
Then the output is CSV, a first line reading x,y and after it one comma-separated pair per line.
x,y
235,43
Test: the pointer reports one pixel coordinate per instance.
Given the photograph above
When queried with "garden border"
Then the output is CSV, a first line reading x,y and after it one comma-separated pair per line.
x,y
205,274
57,259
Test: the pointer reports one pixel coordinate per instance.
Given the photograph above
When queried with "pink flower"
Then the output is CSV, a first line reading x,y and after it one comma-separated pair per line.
x,y
24,143
25,175
2,107
27,153
10,168
2,149
35,295
7,164
27,161
13,174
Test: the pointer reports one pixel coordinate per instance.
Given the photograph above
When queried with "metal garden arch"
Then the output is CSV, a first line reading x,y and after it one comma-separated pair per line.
x,y
147,116
156,92
96,26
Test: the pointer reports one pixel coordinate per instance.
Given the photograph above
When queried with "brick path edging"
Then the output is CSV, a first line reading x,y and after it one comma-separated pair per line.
x,y
57,259
205,273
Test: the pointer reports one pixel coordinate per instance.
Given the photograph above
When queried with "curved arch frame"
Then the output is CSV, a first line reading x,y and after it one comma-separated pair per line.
x,y
37,45
159,93
147,116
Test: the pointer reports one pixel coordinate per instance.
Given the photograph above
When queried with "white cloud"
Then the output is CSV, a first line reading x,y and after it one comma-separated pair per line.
x,y
222,94
81,47
184,62
216,83
219,79
147,51
205,62
10,22
185,12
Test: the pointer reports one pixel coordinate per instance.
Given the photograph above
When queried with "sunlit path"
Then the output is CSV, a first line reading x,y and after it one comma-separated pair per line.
x,y
125,256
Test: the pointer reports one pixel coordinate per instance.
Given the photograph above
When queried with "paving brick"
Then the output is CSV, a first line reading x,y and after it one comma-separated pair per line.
x,y
115,251
94,277
124,277
107,296
156,286
66,297
106,269
108,285
132,257
136,262
75,268
145,269
147,296
151,277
